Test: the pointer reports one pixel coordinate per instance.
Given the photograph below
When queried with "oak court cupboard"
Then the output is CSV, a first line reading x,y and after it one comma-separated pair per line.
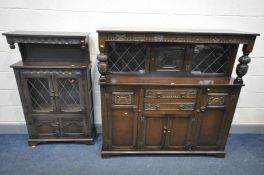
x,y
165,91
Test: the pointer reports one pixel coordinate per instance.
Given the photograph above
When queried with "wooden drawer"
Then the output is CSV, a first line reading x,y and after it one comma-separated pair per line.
x,y
171,93
169,106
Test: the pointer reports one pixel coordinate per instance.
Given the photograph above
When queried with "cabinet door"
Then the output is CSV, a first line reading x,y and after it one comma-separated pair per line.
x,y
171,132
179,132
69,92
45,127
153,129
39,92
167,58
212,117
72,127
123,118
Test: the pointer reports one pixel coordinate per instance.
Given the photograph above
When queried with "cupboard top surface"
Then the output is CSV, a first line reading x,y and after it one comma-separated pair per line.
x,y
69,65
43,46
174,31
148,80
45,33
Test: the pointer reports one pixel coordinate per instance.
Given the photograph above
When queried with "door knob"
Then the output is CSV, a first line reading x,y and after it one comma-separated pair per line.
x,y
134,108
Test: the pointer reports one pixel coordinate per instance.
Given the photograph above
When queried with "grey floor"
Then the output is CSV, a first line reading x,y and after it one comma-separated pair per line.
x,y
245,156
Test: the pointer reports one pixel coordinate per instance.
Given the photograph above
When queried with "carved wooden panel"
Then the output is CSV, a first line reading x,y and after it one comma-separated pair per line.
x,y
122,98
46,127
169,106
170,93
39,71
72,127
167,58
181,38
216,99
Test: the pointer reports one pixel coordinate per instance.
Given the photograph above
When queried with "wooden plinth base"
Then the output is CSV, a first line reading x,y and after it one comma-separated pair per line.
x,y
35,142
218,154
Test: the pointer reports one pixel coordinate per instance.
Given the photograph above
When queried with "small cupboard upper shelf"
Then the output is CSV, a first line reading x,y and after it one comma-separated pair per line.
x,y
37,46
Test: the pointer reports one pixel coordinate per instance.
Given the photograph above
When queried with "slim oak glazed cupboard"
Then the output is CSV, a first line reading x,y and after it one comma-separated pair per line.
x,y
169,91
54,82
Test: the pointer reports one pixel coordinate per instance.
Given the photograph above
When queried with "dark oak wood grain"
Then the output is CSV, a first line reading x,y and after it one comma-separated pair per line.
x,y
168,91
55,86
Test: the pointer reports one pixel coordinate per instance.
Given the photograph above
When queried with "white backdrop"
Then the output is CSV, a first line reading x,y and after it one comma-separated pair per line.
x,y
87,16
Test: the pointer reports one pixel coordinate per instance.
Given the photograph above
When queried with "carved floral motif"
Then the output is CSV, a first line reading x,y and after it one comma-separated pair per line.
x,y
165,106
170,93
216,100
122,99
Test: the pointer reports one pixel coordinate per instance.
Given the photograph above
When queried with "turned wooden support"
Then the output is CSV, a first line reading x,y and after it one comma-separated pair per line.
x,y
102,66
12,45
242,67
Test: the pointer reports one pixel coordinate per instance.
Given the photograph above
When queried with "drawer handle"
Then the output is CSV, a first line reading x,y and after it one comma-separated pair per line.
x,y
203,108
182,95
158,94
181,106
134,108
158,107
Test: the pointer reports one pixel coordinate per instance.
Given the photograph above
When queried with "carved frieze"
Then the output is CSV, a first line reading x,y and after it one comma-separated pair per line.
x,y
170,93
50,71
169,106
45,40
164,37
216,99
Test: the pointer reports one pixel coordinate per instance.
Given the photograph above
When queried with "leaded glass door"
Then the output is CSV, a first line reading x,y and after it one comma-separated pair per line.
x,y
69,92
39,92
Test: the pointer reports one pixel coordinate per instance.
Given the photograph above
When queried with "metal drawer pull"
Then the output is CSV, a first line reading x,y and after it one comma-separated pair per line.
x,y
181,106
203,108
158,94
158,107
134,108
182,95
